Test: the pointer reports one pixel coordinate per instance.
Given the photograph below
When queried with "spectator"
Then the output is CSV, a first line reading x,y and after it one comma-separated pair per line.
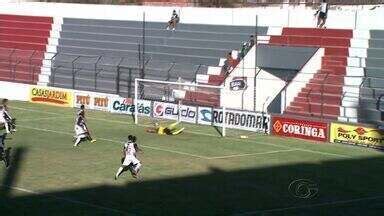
x,y
228,64
251,42
322,14
225,68
174,20
244,49
230,60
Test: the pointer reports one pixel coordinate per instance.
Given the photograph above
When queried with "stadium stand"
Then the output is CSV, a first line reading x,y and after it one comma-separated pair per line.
x,y
107,55
23,43
323,95
94,54
165,2
224,3
372,89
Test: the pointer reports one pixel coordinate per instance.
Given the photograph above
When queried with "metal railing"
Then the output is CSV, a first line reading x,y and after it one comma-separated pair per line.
x,y
102,70
22,65
119,73
379,107
378,104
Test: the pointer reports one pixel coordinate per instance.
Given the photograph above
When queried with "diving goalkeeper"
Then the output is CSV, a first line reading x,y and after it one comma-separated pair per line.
x,y
171,129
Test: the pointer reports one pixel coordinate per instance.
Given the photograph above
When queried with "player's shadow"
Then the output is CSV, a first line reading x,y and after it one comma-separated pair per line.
x,y
330,187
16,157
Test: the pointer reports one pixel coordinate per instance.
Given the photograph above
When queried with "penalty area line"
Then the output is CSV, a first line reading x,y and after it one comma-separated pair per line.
x,y
323,153
205,134
66,116
173,151
67,200
116,141
45,118
253,154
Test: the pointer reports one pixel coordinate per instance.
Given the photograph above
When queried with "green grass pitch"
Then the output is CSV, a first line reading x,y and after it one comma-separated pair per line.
x,y
195,173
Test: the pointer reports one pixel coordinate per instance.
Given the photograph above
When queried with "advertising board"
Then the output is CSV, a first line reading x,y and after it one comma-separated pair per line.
x,y
51,96
126,106
236,119
357,135
91,100
304,129
171,111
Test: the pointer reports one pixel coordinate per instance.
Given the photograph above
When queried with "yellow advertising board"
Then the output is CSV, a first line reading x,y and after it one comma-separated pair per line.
x,y
51,96
357,135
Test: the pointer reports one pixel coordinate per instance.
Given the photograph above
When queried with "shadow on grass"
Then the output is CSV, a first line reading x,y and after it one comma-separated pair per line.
x,y
11,173
342,187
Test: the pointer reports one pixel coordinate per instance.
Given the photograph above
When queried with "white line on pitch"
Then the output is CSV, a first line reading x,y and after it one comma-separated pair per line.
x,y
168,150
67,199
211,135
120,142
33,110
38,119
70,116
252,154
323,153
311,205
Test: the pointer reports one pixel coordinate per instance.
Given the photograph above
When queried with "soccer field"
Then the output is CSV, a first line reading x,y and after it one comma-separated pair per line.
x,y
195,173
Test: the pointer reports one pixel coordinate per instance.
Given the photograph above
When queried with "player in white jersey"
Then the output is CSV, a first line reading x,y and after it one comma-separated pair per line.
x,y
6,121
81,129
3,121
129,160
3,134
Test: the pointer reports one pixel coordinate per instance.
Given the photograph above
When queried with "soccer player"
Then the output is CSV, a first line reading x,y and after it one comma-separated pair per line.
x,y
5,117
3,121
3,134
81,129
170,129
129,160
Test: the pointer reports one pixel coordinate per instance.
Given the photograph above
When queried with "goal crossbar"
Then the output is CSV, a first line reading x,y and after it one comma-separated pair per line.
x,y
144,87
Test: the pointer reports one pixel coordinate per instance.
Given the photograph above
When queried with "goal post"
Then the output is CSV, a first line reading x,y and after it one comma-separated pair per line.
x,y
180,101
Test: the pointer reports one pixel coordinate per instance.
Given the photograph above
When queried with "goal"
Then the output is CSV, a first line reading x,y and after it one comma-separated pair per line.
x,y
179,101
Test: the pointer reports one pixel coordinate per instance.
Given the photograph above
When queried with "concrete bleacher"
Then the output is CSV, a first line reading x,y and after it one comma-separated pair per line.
x,y
110,48
371,109
23,42
351,78
322,97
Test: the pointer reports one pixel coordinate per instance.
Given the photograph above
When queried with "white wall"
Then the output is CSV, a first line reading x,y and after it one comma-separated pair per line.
x,y
302,78
343,17
370,19
267,87
14,91
15,1
242,99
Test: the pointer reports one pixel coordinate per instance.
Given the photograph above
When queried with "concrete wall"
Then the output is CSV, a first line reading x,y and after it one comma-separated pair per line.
x,y
14,91
242,99
342,17
267,87
301,79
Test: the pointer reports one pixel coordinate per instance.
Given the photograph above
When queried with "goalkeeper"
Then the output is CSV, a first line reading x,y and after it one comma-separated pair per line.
x,y
171,129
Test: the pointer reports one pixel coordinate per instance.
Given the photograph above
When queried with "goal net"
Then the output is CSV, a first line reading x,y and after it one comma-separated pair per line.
x,y
179,101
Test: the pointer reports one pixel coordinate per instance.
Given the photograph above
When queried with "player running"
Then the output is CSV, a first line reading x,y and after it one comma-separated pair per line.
x,y
3,133
5,118
81,129
129,160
